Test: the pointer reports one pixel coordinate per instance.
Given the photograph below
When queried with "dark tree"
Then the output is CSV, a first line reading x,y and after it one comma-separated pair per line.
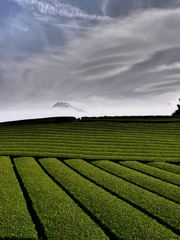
x,y
177,112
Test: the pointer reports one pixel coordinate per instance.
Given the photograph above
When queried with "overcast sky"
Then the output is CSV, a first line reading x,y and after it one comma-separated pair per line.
x,y
113,56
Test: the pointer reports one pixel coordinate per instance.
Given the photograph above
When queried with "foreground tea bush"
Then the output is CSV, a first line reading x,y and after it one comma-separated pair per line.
x,y
166,166
60,217
165,189
15,220
165,210
155,172
122,220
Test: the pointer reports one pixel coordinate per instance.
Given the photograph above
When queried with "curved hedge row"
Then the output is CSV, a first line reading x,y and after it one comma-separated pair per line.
x,y
154,172
166,211
166,166
93,140
60,216
15,220
122,220
155,185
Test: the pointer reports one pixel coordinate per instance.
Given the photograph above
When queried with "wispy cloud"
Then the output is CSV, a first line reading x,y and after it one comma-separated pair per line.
x,y
136,57
165,67
57,8
156,86
104,7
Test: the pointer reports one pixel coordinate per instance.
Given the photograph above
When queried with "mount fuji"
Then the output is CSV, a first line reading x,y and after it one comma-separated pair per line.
x,y
66,106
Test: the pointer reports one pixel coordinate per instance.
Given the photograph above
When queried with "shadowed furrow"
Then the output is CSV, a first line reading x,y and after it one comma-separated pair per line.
x,y
160,187
60,216
120,218
166,166
152,171
15,220
164,210
93,140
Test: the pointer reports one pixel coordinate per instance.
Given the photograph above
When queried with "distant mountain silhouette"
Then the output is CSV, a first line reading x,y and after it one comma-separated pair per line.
x,y
66,106
177,112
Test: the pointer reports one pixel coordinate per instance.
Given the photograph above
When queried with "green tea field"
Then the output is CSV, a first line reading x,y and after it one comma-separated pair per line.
x,y
90,179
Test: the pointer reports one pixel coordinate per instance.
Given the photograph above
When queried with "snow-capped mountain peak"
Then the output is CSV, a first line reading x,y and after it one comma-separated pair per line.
x,y
66,106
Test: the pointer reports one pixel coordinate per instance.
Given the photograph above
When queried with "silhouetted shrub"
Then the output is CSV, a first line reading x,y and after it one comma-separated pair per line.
x,y
177,112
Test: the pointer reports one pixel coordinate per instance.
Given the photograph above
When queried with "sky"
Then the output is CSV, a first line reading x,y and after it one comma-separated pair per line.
x,y
107,57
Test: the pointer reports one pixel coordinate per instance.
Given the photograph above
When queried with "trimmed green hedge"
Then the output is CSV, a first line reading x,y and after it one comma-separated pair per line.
x,y
60,216
166,166
163,209
165,189
15,220
142,141
122,220
152,171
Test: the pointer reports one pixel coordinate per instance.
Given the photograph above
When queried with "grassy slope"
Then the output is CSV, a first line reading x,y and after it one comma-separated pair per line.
x,y
130,202
143,139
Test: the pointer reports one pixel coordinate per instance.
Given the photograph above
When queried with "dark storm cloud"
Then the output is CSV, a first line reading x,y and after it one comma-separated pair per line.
x,y
86,50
